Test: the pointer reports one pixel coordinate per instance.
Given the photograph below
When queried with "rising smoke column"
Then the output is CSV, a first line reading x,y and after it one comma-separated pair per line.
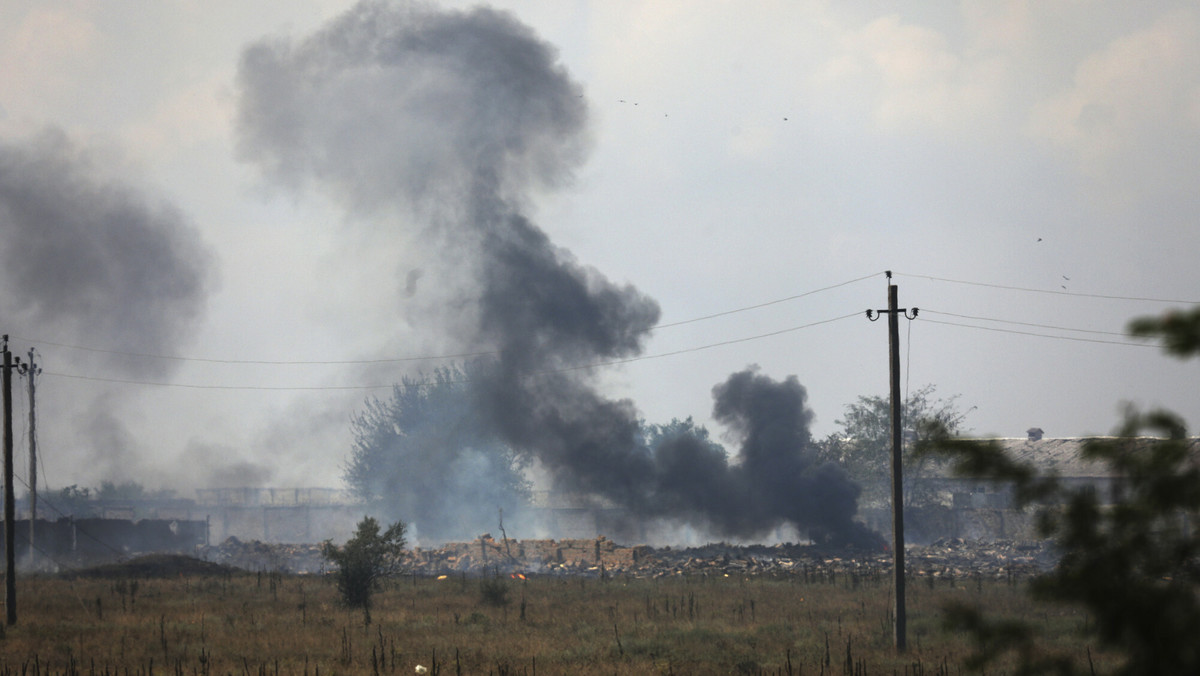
x,y
92,260
774,478
783,483
459,119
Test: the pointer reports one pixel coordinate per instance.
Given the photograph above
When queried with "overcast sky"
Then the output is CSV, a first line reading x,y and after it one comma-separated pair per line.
x,y
1026,169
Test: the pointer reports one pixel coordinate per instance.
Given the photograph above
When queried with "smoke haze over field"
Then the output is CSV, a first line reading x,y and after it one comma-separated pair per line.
x,y
458,117
371,182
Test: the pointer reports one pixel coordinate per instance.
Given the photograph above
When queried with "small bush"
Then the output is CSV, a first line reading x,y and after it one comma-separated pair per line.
x,y
493,591
364,559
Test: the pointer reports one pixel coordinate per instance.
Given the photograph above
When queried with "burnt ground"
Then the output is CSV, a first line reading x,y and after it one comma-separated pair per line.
x,y
156,566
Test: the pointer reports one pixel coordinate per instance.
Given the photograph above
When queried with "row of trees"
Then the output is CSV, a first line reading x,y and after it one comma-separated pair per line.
x,y
424,454
418,452
863,443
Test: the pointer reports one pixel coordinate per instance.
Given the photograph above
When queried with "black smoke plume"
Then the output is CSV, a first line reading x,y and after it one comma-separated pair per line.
x,y
456,120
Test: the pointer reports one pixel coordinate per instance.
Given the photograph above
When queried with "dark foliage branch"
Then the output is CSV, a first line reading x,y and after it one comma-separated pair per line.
x,y
1130,558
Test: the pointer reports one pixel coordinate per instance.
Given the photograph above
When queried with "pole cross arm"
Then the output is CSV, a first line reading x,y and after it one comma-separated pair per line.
x,y
876,314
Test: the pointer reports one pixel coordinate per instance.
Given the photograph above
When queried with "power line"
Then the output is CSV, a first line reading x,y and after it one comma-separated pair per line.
x,y
391,360
125,381
1041,335
265,362
122,381
768,303
566,369
711,345
1049,291
481,353
1031,324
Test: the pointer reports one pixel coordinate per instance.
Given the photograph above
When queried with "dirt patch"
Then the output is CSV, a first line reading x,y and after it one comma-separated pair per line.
x,y
157,566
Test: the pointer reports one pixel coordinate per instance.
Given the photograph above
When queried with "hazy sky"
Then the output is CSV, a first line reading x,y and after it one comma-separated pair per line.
x,y
1027,169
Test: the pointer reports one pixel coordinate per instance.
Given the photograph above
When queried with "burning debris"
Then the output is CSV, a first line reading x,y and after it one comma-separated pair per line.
x,y
258,556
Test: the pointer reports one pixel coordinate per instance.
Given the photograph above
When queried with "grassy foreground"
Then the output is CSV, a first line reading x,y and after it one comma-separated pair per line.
x,y
253,624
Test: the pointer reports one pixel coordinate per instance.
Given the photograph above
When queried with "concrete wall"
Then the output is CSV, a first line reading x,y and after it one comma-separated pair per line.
x,y
923,525
266,523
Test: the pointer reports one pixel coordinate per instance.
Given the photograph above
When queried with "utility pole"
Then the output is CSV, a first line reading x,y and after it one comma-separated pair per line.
x,y
894,312
32,370
10,507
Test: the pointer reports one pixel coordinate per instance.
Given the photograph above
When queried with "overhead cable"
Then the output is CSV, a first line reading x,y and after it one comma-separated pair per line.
x,y
1030,324
579,367
766,304
390,360
1040,335
265,362
1051,291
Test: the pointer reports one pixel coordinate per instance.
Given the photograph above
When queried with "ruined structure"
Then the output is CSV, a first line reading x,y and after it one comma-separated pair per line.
x,y
977,509
71,543
278,514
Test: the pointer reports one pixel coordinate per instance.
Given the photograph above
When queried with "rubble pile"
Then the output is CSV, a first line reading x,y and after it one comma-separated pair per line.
x,y
535,556
258,556
947,558
959,557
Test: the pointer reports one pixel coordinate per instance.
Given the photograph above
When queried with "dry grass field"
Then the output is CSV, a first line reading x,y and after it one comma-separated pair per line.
x,y
252,624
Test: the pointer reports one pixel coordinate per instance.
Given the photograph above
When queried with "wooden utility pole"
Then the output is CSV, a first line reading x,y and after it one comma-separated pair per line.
x,y
10,507
32,370
894,312
897,467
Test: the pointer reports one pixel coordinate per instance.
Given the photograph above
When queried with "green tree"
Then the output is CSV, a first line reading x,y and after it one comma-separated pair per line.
x,y
364,560
428,456
863,446
1130,552
654,434
1178,330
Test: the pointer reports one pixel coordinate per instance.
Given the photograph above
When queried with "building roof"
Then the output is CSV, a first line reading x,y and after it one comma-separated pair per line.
x,y
1064,456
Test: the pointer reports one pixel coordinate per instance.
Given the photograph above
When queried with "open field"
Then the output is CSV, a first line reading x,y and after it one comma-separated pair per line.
x,y
246,623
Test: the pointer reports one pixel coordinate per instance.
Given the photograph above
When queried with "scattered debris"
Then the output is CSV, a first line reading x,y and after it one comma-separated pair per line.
x,y
261,556
601,557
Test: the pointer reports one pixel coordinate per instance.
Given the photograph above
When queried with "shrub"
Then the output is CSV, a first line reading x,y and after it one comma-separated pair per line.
x,y
493,591
364,559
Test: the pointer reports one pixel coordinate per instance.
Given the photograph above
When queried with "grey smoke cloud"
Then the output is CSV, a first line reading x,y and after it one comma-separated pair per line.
x,y
776,467
460,117
88,259
92,260
395,104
